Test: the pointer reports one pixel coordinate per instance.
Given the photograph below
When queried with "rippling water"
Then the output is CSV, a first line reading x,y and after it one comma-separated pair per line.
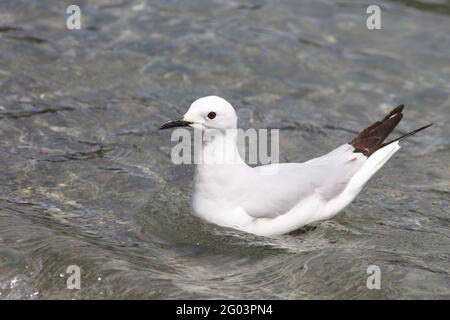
x,y
86,178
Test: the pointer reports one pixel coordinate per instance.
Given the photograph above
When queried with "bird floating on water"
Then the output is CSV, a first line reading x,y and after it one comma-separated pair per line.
x,y
235,195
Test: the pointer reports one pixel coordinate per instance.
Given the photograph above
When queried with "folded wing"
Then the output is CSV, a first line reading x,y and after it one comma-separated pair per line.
x,y
271,195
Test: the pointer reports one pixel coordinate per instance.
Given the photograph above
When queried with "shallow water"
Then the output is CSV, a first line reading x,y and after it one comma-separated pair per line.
x,y
86,178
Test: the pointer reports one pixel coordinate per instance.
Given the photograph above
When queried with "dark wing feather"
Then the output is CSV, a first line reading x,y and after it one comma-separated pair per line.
x,y
371,139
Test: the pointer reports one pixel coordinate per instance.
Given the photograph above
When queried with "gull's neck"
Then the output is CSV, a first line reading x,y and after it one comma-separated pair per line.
x,y
221,148
220,167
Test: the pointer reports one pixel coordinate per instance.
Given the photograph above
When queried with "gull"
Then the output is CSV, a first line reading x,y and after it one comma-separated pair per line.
x,y
275,202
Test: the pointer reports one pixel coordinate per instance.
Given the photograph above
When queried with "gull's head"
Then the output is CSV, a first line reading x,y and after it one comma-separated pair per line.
x,y
209,112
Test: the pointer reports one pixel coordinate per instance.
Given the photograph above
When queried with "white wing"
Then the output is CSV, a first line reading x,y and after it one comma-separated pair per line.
x,y
271,195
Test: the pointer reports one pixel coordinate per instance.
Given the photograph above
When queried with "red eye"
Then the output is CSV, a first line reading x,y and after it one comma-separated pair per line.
x,y
211,115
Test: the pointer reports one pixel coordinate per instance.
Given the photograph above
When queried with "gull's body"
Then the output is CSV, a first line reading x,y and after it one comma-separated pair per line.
x,y
279,198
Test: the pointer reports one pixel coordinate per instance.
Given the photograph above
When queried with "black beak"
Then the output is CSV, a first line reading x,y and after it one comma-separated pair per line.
x,y
174,124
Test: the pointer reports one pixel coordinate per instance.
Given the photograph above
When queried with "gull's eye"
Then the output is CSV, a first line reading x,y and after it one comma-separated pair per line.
x,y
211,115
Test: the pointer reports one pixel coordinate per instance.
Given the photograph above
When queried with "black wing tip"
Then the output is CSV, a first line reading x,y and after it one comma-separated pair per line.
x,y
399,108
413,132
371,139
403,137
394,112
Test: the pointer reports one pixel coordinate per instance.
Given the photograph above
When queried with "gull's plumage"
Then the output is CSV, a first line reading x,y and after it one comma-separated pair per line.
x,y
280,198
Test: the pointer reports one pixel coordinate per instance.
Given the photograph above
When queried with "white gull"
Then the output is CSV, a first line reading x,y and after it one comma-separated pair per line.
x,y
232,194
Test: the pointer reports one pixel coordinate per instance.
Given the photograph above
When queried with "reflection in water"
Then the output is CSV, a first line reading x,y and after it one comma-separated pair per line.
x,y
86,178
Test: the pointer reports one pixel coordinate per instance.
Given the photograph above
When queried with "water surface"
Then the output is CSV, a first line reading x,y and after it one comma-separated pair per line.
x,y
86,178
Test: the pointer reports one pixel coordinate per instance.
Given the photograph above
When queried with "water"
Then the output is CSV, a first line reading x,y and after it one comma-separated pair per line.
x,y
86,178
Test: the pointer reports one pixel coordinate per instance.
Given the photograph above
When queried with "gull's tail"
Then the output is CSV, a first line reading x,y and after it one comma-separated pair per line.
x,y
372,138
